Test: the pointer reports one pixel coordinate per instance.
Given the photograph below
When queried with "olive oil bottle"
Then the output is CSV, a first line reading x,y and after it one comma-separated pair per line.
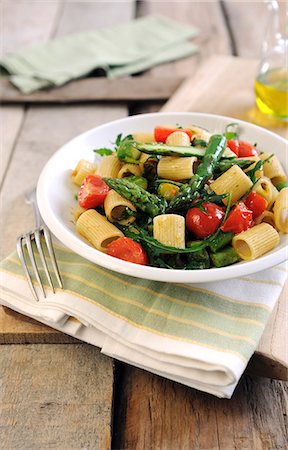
x,y
271,82
271,90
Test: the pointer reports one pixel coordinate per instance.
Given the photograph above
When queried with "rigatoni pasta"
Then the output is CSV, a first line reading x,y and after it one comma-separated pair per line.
x,y
266,188
109,166
281,211
273,168
267,217
146,138
118,209
256,241
78,210
97,229
129,170
82,170
176,168
233,181
169,229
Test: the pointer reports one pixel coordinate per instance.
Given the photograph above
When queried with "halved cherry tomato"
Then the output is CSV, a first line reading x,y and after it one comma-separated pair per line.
x,y
128,250
256,203
246,149
239,219
161,133
233,144
92,192
204,223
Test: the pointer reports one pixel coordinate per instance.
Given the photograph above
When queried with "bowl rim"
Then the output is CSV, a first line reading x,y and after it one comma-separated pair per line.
x,y
82,248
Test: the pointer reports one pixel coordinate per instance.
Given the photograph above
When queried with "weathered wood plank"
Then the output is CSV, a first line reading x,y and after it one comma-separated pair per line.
x,y
22,24
10,123
174,416
60,397
96,89
18,329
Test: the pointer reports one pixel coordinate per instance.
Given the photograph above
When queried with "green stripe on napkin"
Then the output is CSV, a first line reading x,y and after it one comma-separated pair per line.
x,y
122,50
180,312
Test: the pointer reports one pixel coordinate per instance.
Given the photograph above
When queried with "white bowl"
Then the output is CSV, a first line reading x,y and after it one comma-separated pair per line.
x,y
55,193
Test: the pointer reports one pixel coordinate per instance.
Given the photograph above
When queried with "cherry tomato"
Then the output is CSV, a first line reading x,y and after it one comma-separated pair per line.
x,y
204,223
161,133
233,144
246,149
128,250
239,219
256,203
92,192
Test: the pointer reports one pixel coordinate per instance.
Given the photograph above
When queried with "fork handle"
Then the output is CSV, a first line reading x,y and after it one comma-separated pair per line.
x,y
30,198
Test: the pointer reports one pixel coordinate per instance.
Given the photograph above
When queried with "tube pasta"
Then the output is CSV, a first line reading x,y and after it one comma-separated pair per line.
x,y
169,229
130,169
267,217
82,170
176,168
234,180
265,188
145,138
178,138
97,230
115,207
200,133
273,169
256,241
109,166
143,157
281,211
78,211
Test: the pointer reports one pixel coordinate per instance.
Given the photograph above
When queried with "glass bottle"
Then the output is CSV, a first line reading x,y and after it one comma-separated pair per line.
x,y
271,83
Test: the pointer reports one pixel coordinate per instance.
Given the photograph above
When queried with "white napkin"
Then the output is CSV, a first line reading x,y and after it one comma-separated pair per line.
x,y
200,335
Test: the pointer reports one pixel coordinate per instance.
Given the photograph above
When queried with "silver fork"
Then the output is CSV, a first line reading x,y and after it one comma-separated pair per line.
x,y
26,240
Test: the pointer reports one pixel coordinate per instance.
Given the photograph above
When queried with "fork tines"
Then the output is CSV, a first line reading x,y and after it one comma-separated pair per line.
x,y
26,240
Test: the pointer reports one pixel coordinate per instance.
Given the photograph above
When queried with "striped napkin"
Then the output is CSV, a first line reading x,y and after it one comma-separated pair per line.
x,y
124,49
199,335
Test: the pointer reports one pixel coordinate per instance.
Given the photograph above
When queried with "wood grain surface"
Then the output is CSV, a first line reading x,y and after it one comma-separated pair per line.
x,y
45,408
60,396
89,90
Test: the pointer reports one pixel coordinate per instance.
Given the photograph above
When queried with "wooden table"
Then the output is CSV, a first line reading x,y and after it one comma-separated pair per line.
x,y
59,393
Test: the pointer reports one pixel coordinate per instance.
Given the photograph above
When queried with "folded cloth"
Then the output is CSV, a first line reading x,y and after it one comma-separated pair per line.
x,y
199,335
121,50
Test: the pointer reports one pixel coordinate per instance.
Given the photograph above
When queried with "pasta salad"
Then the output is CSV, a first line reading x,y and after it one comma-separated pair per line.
x,y
182,199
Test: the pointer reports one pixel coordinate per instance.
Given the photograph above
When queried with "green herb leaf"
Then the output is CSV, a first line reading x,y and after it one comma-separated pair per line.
x,y
104,151
258,166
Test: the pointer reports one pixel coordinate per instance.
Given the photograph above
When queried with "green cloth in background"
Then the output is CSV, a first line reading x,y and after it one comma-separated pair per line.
x,y
120,50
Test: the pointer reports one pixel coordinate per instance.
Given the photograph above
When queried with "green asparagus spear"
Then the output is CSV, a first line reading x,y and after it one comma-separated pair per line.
x,y
281,185
142,199
188,192
174,150
226,164
225,257
220,240
140,181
